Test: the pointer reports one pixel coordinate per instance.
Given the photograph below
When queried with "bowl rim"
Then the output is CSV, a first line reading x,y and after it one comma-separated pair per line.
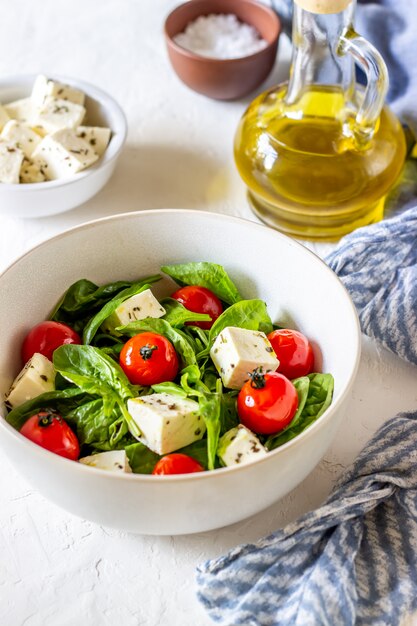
x,y
117,140
206,475
213,60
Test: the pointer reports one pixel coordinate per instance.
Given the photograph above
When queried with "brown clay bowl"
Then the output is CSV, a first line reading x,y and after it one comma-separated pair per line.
x,y
223,79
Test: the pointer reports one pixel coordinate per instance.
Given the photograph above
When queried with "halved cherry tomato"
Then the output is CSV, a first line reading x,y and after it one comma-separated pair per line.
x,y
177,464
148,359
293,351
46,337
267,402
199,300
50,431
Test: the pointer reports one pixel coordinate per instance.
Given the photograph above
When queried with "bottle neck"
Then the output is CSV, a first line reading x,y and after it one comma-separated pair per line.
x,y
317,59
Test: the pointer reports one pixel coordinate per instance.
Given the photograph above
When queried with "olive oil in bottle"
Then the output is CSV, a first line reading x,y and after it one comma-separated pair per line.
x,y
318,159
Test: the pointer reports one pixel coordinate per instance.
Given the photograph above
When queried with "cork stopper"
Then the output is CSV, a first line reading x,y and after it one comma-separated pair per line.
x,y
323,6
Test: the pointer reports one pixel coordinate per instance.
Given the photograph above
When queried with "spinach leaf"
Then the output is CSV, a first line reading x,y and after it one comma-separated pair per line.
x,y
97,374
210,410
302,386
83,296
95,322
205,274
92,424
198,451
62,400
171,388
229,416
176,314
249,314
318,399
141,459
162,327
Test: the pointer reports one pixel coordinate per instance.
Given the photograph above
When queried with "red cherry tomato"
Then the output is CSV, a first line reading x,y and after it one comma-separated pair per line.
x,y
148,359
48,430
267,402
46,337
294,352
199,300
177,464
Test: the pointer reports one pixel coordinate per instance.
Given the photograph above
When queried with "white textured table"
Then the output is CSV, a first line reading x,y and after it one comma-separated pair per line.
x,y
55,569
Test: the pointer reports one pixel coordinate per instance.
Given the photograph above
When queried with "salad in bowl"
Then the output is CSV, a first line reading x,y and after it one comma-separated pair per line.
x,y
120,380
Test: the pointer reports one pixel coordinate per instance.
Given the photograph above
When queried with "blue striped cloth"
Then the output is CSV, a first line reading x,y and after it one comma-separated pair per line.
x,y
378,265
352,561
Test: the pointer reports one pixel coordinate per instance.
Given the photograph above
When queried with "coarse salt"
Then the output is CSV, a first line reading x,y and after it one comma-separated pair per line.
x,y
220,37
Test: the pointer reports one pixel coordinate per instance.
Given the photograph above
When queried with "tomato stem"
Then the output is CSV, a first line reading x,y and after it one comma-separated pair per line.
x,y
257,378
147,351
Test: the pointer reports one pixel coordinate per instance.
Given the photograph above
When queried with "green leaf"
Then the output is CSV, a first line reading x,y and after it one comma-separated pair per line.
x,y
249,314
198,451
62,400
229,416
141,459
210,411
162,327
92,370
93,425
176,314
204,274
95,322
171,388
97,374
319,398
302,386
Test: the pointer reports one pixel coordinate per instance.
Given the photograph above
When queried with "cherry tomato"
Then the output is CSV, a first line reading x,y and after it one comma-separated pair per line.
x,y
199,300
46,337
48,430
148,359
267,402
177,464
294,352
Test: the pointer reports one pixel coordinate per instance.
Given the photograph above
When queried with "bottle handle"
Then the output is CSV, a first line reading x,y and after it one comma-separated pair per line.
x,y
371,62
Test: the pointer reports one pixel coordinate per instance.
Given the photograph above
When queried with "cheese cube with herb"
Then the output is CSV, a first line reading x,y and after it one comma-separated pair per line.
x,y
56,114
38,376
112,461
11,159
137,307
239,446
97,137
44,88
4,117
31,172
21,110
236,352
62,154
21,135
167,422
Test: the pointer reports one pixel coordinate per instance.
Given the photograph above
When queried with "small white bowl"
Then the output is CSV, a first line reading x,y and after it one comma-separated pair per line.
x,y
57,196
265,264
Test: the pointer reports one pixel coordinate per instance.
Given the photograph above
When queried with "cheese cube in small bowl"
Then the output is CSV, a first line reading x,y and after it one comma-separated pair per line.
x,y
60,139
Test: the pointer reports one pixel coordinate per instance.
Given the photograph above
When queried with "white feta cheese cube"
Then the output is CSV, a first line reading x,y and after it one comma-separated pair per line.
x,y
137,307
97,137
167,422
237,351
38,376
56,114
31,172
113,461
239,446
21,136
44,88
21,110
62,154
11,159
4,117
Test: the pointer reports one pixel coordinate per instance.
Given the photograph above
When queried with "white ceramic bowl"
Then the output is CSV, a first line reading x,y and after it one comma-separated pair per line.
x,y
57,196
294,282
